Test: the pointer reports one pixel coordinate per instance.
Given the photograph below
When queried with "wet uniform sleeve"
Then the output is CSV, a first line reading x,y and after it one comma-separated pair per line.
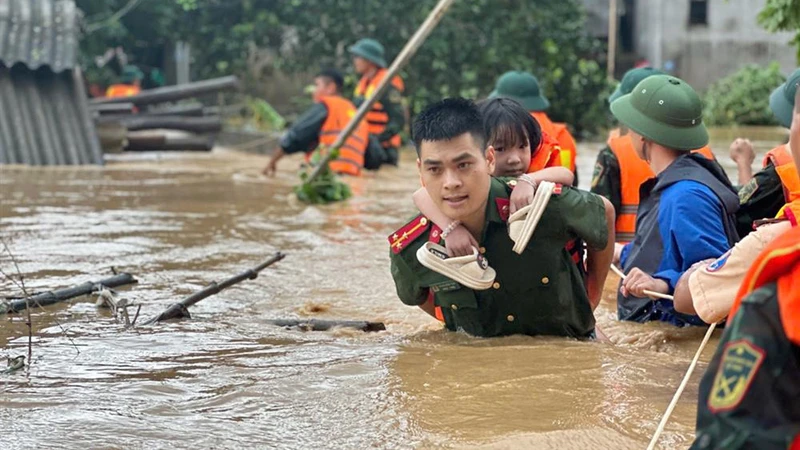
x,y
690,220
584,216
303,136
393,105
406,282
761,198
606,178
748,396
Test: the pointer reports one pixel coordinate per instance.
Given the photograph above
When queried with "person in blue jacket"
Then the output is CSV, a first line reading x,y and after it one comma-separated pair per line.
x,y
686,213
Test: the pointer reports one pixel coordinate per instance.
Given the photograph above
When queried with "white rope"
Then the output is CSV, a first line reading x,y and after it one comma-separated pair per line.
x,y
678,393
646,292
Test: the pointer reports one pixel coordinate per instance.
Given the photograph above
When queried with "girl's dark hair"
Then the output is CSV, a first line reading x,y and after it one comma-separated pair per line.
x,y
507,124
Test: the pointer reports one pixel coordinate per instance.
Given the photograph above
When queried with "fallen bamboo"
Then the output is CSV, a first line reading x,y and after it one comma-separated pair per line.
x,y
181,309
325,325
163,142
174,93
402,58
53,297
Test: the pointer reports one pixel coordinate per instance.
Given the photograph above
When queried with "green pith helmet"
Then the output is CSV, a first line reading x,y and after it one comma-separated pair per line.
x,y
631,79
665,110
522,87
782,99
371,50
131,74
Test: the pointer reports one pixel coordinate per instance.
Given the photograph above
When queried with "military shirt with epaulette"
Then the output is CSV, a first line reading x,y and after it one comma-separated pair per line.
x,y
539,292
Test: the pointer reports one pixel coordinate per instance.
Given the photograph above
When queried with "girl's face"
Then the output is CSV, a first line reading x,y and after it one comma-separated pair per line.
x,y
512,160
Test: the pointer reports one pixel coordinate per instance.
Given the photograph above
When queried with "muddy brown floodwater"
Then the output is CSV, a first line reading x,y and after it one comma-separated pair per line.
x,y
226,379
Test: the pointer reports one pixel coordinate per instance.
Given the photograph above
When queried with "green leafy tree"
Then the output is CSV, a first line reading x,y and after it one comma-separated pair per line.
x,y
782,15
742,98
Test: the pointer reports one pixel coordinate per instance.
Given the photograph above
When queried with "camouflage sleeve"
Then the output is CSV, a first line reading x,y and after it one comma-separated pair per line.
x,y
606,178
761,198
393,104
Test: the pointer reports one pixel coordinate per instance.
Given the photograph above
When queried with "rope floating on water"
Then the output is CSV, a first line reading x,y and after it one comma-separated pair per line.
x,y
682,386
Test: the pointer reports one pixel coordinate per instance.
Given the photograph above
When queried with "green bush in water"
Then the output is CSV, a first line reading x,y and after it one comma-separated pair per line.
x,y
742,98
326,188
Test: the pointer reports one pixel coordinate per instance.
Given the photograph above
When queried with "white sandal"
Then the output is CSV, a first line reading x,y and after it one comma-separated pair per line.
x,y
522,223
472,271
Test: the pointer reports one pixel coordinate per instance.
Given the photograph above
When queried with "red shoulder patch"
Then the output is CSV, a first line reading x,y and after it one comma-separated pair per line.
x,y
557,189
436,234
503,208
408,233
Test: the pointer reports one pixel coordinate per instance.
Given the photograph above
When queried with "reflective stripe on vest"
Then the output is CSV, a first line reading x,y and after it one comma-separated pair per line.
x,y
547,155
351,154
377,118
633,171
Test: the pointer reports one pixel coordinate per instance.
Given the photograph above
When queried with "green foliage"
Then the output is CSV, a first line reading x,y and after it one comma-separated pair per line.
x,y
782,15
326,188
264,116
476,41
743,97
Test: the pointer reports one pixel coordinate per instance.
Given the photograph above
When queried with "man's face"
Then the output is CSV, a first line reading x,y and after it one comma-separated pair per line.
x,y
512,161
323,87
361,65
456,175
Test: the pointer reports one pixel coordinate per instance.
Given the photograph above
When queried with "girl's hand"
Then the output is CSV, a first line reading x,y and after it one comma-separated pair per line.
x,y
460,242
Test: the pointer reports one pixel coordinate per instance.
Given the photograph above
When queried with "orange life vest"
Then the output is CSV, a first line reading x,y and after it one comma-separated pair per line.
x,y
633,172
548,154
351,154
122,90
786,169
377,118
566,143
780,261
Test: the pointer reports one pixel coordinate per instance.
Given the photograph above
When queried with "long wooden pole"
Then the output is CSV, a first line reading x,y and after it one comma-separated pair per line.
x,y
612,38
61,295
405,55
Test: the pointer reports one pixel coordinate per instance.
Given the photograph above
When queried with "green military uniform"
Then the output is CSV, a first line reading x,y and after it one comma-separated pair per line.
x,y
539,292
750,394
391,101
761,198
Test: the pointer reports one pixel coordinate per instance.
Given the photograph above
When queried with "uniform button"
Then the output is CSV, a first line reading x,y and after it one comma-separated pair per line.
x,y
496,285
512,183
545,280
423,221
454,307
510,318
482,250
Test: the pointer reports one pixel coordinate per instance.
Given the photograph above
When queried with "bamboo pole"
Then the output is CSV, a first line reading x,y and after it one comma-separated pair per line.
x,y
612,38
402,58
181,309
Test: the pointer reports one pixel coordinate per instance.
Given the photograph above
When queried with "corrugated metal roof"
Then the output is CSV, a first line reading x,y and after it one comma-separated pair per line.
x,y
39,33
44,118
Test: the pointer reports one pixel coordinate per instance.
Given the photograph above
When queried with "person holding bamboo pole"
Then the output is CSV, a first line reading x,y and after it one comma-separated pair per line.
x,y
686,212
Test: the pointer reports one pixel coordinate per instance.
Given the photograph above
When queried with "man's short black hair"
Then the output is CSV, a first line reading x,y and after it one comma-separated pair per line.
x,y
508,124
332,76
447,119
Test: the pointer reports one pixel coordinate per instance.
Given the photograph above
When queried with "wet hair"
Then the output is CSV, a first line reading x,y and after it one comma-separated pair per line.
x,y
332,76
447,119
508,124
